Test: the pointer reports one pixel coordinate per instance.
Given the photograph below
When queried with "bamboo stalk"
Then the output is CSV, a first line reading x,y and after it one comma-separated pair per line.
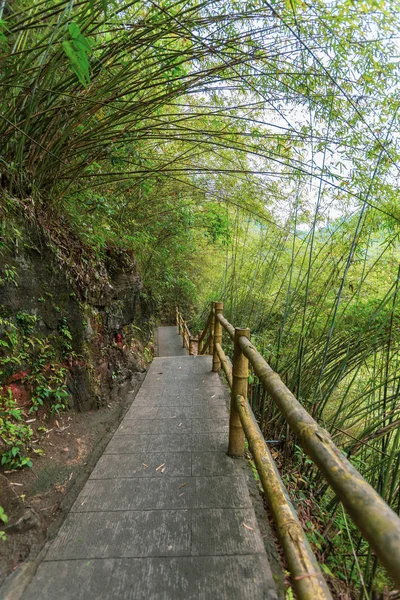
x,y
179,323
307,578
224,363
184,334
378,524
240,375
218,309
212,325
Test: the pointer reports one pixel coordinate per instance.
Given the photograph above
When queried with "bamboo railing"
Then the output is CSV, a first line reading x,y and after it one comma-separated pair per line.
x,y
376,521
190,342
203,344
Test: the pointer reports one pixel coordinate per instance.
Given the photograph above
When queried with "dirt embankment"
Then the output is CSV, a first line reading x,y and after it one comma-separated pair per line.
x,y
37,499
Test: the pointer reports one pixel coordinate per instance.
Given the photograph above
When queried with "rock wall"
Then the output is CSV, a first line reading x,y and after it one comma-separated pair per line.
x,y
69,317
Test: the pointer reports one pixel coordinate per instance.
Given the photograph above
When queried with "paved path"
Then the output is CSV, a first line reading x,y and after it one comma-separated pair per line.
x,y
169,342
165,515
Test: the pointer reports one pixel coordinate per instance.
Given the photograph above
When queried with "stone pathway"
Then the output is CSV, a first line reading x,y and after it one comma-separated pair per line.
x,y
169,342
165,515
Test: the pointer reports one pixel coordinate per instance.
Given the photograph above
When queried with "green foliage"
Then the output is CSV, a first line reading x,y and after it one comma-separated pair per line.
x,y
37,364
77,49
4,520
217,223
289,595
3,38
14,433
9,275
3,516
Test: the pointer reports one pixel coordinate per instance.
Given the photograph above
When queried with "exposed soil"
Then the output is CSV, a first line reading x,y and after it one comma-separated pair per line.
x,y
36,499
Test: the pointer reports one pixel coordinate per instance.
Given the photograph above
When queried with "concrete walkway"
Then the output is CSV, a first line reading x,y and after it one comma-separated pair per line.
x,y
165,515
169,342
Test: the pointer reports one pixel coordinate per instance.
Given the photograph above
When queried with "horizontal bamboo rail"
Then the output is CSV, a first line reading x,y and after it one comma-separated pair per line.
x,y
189,342
308,580
376,521
227,326
378,524
224,363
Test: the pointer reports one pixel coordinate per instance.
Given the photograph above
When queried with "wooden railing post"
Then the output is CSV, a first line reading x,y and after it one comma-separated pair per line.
x,y
218,309
212,325
240,373
179,323
183,332
192,346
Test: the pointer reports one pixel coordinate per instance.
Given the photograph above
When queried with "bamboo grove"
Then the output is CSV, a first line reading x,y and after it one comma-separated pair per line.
x,y
245,152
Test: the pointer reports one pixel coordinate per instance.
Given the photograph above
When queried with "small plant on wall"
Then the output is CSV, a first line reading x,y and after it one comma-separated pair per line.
x,y
33,374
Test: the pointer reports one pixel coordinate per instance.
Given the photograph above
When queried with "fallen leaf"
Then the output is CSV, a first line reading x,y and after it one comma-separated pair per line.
x,y
183,485
247,527
145,466
163,469
160,466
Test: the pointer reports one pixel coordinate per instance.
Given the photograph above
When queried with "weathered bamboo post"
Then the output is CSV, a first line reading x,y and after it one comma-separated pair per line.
x,y
177,316
212,325
179,323
183,332
199,343
192,345
240,373
218,310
